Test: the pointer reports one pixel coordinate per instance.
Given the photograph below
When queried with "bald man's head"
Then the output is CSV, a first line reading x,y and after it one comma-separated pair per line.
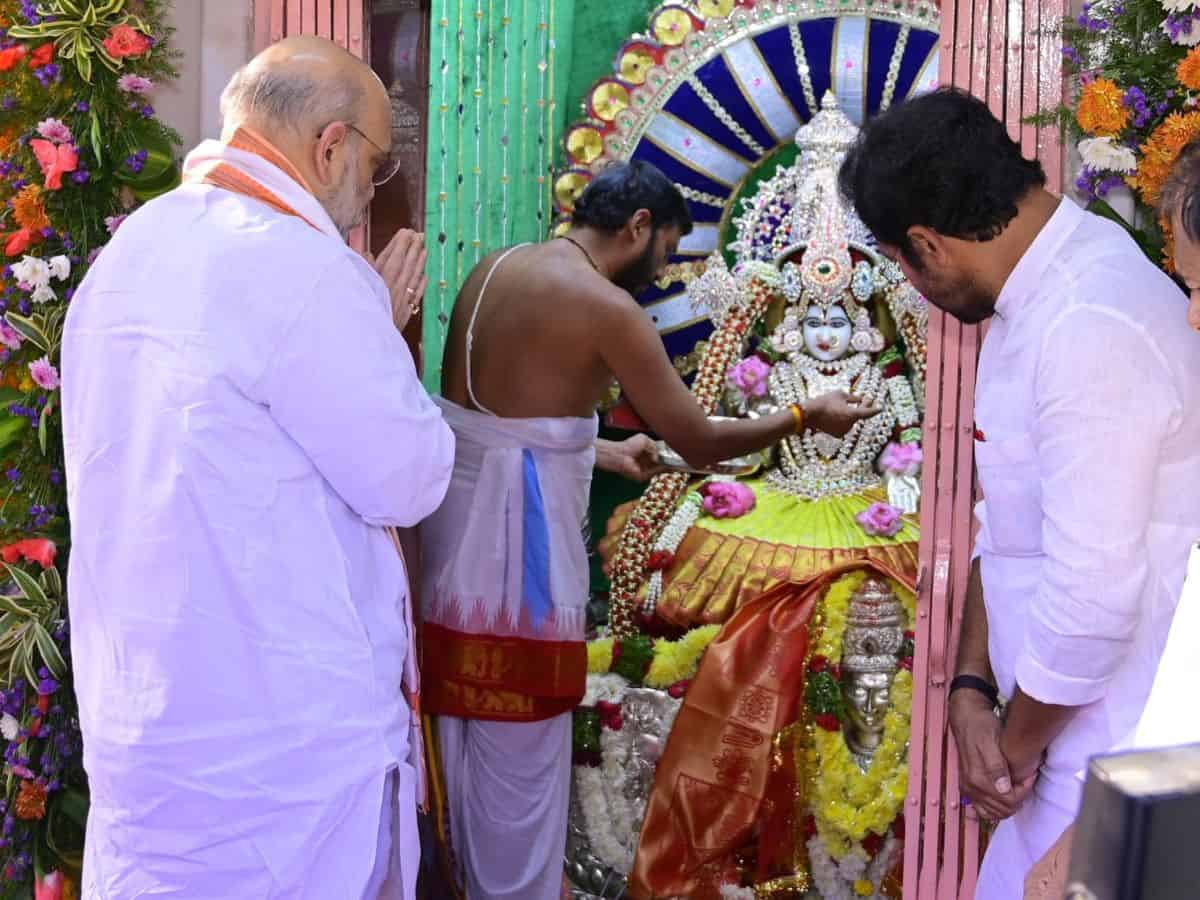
x,y
299,84
326,111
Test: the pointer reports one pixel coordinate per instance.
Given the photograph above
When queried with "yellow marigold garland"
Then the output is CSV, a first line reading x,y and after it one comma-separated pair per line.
x,y
1101,111
848,803
672,662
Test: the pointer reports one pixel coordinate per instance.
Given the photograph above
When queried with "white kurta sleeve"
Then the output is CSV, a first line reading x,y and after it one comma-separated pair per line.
x,y
344,386
1104,402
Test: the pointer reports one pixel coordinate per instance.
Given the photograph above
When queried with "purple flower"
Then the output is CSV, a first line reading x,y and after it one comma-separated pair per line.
x,y
147,111
47,686
48,74
81,176
82,106
14,474
8,103
47,232
55,476
1071,55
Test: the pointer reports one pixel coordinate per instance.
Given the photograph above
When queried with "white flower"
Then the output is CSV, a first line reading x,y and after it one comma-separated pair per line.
x,y
9,727
43,294
793,340
1188,38
1175,6
32,272
60,267
1103,154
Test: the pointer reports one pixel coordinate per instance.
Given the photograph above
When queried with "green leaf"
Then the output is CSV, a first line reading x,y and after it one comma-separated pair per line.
x,y
74,804
12,606
12,429
42,435
52,582
30,330
96,142
9,396
29,587
50,654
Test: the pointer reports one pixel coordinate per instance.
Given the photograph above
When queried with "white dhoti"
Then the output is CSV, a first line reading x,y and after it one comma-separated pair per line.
x,y
507,789
1019,842
504,660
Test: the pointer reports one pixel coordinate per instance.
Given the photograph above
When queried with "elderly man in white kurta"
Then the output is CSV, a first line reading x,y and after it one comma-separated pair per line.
x,y
243,422
1087,443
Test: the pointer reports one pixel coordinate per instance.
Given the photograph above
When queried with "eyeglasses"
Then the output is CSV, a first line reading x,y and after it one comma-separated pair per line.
x,y
387,169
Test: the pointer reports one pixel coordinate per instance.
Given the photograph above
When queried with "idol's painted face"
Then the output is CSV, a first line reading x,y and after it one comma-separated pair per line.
x,y
826,334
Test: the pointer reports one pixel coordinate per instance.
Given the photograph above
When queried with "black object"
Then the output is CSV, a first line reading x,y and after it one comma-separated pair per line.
x,y
1136,836
975,683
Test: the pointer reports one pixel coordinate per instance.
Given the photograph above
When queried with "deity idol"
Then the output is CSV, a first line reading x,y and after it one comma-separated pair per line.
x,y
843,318
790,589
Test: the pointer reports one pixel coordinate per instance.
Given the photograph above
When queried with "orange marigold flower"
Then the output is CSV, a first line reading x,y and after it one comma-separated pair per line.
x,y
8,140
1188,70
1101,111
31,801
28,210
1160,152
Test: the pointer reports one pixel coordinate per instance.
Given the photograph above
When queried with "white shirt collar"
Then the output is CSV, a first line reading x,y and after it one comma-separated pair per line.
x,y
1027,274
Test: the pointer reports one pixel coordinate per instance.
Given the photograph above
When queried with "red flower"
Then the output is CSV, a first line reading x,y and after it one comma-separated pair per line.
x,y
19,241
660,560
898,827
910,635
818,664
49,886
42,56
810,827
907,663
829,722
610,715
10,57
836,671
893,369
872,843
679,688
38,550
125,40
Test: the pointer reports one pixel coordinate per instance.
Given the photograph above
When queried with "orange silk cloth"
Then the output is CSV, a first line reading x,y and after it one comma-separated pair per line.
x,y
231,178
714,574
711,788
503,679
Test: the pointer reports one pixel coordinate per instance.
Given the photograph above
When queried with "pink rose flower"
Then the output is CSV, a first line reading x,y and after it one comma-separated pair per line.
x,y
54,130
134,84
9,336
727,499
749,377
44,374
901,459
49,886
881,520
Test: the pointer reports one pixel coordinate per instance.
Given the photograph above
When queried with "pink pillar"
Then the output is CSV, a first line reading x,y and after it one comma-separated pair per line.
x,y
1005,52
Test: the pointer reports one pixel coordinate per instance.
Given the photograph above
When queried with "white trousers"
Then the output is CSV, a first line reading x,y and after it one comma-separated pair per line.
x,y
1019,842
507,789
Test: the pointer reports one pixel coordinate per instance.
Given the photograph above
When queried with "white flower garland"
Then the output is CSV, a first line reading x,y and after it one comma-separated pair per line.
x,y
838,880
687,515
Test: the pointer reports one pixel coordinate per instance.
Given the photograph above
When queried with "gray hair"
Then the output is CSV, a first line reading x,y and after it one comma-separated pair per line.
x,y
1181,191
289,97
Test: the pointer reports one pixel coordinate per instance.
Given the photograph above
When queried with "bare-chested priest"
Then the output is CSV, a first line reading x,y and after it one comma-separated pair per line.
x,y
537,336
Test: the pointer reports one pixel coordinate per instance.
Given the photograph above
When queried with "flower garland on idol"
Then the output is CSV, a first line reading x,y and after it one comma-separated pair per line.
x,y
80,146
1136,71
856,829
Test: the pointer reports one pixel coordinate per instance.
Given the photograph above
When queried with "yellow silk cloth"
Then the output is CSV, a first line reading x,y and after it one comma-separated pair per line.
x,y
712,784
724,563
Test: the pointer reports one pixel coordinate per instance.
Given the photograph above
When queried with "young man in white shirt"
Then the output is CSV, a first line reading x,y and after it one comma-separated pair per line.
x,y
1087,442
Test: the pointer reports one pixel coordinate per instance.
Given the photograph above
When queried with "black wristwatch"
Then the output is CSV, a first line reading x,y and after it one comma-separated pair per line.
x,y
975,683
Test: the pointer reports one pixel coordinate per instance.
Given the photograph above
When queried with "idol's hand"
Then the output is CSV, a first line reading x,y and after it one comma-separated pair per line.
x,y
983,771
836,412
401,265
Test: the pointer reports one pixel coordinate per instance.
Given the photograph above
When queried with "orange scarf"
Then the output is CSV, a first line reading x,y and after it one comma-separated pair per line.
x,y
233,179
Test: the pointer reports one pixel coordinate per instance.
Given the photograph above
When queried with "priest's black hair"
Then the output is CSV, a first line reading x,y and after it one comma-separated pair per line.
x,y
620,190
940,160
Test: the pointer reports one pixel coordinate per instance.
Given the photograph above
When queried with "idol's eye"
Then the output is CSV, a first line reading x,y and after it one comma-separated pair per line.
x,y
813,323
839,323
